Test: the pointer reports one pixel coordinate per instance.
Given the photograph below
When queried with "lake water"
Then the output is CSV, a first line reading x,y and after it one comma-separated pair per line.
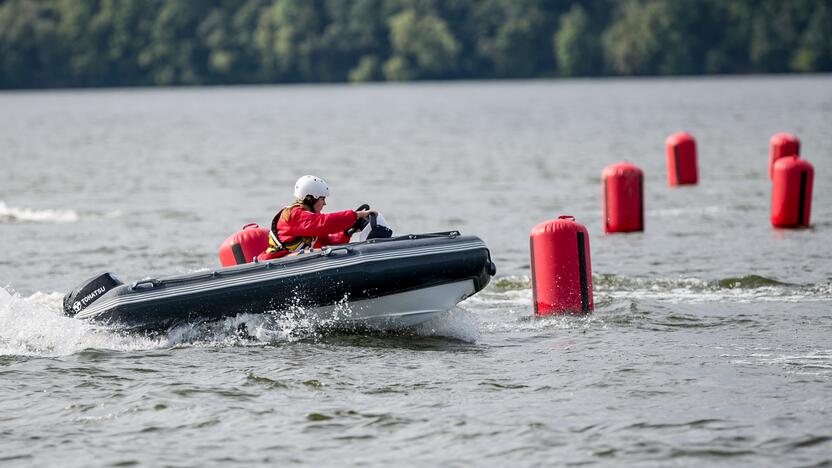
x,y
709,345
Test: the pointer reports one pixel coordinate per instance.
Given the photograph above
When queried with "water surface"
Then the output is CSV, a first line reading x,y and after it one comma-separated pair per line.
x,y
709,345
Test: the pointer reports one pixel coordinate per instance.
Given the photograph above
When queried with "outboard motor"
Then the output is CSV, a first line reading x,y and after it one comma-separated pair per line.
x,y
88,292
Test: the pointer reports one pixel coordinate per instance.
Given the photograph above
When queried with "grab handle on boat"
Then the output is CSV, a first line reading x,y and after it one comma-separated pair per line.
x,y
146,284
329,250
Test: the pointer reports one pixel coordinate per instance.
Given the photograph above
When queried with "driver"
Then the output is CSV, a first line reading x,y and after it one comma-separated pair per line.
x,y
301,225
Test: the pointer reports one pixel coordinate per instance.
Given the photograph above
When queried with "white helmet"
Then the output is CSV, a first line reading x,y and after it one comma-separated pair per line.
x,y
311,185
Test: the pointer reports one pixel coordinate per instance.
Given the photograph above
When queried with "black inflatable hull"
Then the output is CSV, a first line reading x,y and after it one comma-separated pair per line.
x,y
389,283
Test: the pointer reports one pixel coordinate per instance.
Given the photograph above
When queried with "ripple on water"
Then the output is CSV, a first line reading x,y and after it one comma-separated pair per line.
x,y
688,290
261,381
811,363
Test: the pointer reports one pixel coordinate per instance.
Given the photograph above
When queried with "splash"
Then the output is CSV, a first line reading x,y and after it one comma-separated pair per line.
x,y
457,323
505,306
14,214
240,330
35,326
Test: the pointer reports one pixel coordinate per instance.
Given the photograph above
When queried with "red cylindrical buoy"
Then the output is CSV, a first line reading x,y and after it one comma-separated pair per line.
x,y
244,245
681,159
561,272
780,146
623,198
791,193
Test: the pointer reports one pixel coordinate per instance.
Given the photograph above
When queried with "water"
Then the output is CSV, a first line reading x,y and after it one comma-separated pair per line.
x,y
709,344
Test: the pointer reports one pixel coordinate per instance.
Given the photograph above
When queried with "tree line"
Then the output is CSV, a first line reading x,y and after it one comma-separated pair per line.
x,y
81,43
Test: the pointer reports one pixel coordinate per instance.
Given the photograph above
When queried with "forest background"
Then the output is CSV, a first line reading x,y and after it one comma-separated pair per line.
x,y
90,43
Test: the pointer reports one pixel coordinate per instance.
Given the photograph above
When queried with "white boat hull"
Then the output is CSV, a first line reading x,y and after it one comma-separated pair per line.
x,y
394,311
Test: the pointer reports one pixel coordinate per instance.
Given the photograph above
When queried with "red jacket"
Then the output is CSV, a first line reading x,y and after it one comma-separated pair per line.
x,y
328,229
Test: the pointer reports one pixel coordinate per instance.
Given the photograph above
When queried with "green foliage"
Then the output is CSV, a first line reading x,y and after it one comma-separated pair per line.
x,y
577,49
633,44
814,50
54,43
514,36
422,47
32,51
368,69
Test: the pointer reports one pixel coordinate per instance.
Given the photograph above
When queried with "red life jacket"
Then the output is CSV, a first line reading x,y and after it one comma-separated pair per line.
x,y
294,244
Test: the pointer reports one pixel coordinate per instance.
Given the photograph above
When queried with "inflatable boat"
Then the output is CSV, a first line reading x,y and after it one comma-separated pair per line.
x,y
379,284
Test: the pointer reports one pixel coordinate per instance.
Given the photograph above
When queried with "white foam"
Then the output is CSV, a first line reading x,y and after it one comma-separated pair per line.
x,y
263,328
457,323
35,326
817,362
692,292
226,332
516,291
678,212
14,214
512,311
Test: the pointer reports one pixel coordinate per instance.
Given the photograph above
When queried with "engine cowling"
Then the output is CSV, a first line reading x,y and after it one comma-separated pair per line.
x,y
88,292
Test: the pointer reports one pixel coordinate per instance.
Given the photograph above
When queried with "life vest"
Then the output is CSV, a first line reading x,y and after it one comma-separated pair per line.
x,y
294,244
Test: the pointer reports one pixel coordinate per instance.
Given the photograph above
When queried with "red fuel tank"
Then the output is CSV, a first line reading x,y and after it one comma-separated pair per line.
x,y
680,150
622,201
791,192
560,267
244,245
780,146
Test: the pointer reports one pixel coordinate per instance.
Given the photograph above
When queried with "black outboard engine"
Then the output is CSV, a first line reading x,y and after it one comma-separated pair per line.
x,y
88,291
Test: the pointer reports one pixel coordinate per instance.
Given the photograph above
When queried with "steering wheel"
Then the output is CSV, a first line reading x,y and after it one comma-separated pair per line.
x,y
359,223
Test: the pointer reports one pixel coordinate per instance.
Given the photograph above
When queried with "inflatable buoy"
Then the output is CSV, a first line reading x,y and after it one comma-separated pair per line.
x,y
681,159
780,146
560,267
791,192
622,202
244,245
